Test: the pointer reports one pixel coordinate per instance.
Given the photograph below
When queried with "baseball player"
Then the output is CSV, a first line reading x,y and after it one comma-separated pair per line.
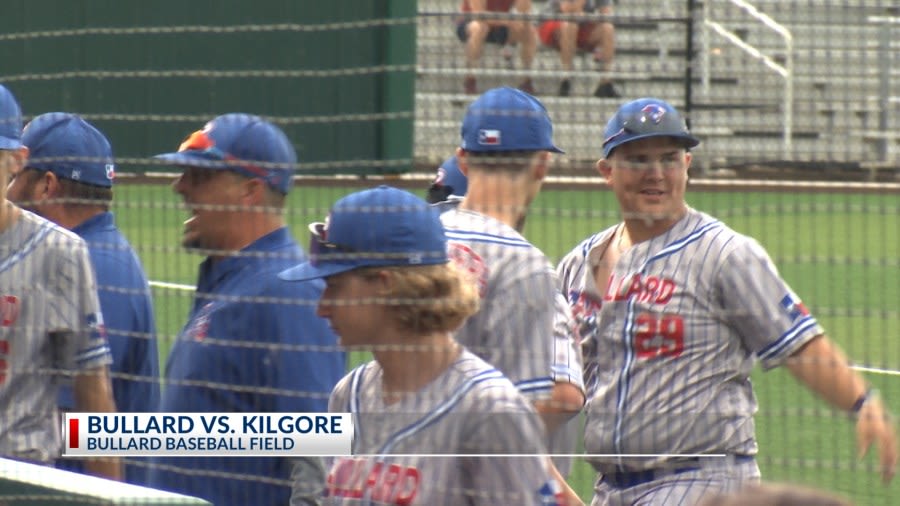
x,y
674,309
51,330
252,342
432,421
68,179
449,182
523,327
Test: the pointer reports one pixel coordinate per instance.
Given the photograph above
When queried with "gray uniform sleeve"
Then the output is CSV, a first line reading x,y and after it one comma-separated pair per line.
x,y
567,362
762,308
570,271
307,481
337,402
77,323
308,473
519,477
521,324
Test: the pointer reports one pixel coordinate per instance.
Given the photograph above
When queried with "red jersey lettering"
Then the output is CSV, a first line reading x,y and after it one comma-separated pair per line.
x,y
9,310
650,289
383,483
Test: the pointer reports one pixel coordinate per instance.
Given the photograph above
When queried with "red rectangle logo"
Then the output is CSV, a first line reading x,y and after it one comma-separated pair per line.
x,y
73,433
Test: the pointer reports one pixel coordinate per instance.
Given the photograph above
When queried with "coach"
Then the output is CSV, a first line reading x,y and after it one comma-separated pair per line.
x,y
252,342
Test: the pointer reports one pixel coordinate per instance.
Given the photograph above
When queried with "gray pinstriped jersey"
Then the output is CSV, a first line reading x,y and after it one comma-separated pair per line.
x,y
523,327
671,340
51,323
462,418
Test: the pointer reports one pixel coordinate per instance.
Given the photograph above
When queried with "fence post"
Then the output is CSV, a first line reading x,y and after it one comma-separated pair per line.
x,y
689,59
398,92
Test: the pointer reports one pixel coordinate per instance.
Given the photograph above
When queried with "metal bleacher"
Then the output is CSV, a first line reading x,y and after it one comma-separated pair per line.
x,y
842,115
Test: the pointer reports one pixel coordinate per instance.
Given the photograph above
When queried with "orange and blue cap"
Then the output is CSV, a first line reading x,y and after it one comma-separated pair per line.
x,y
242,143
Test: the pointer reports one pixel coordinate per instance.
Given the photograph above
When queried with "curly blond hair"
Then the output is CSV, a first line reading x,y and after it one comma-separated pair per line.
x,y
429,298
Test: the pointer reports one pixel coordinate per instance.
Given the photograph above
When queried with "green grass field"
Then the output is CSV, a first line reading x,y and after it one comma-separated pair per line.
x,y
840,252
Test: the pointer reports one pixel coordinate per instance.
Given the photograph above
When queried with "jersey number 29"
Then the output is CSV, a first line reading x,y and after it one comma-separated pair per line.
x,y
658,336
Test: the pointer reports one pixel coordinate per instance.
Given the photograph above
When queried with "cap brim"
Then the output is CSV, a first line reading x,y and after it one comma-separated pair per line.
x,y
307,271
688,140
6,143
192,159
552,149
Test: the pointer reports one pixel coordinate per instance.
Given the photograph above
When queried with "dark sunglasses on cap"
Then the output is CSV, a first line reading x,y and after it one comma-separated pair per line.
x,y
320,248
200,142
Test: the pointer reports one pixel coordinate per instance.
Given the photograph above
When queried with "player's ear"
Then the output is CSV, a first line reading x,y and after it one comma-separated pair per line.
x,y
462,162
604,169
383,280
254,192
48,185
541,165
688,157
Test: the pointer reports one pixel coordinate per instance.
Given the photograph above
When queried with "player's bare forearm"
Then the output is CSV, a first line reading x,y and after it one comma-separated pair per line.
x,y
93,393
824,369
566,401
569,495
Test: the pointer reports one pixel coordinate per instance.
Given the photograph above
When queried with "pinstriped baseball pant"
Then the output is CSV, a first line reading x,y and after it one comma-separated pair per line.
x,y
682,489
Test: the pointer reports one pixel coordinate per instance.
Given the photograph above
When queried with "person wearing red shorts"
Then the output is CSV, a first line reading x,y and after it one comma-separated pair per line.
x,y
567,36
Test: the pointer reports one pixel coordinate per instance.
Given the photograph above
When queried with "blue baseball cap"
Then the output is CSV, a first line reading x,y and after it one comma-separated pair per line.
x,y
507,119
448,175
70,147
644,118
10,120
379,227
242,143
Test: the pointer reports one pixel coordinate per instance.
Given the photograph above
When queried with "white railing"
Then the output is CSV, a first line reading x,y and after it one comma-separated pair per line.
x,y
786,70
888,59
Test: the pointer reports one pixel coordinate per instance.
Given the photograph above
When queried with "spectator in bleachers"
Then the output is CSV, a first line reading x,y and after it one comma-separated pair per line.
x,y
252,342
569,36
475,31
68,179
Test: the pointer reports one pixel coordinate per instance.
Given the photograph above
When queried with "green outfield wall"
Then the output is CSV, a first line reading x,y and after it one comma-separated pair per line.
x,y
338,76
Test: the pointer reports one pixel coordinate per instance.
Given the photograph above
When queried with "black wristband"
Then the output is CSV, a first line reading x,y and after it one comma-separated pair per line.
x,y
861,401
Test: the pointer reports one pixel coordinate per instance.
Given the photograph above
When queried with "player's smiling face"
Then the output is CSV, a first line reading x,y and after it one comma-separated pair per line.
x,y
649,177
349,306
